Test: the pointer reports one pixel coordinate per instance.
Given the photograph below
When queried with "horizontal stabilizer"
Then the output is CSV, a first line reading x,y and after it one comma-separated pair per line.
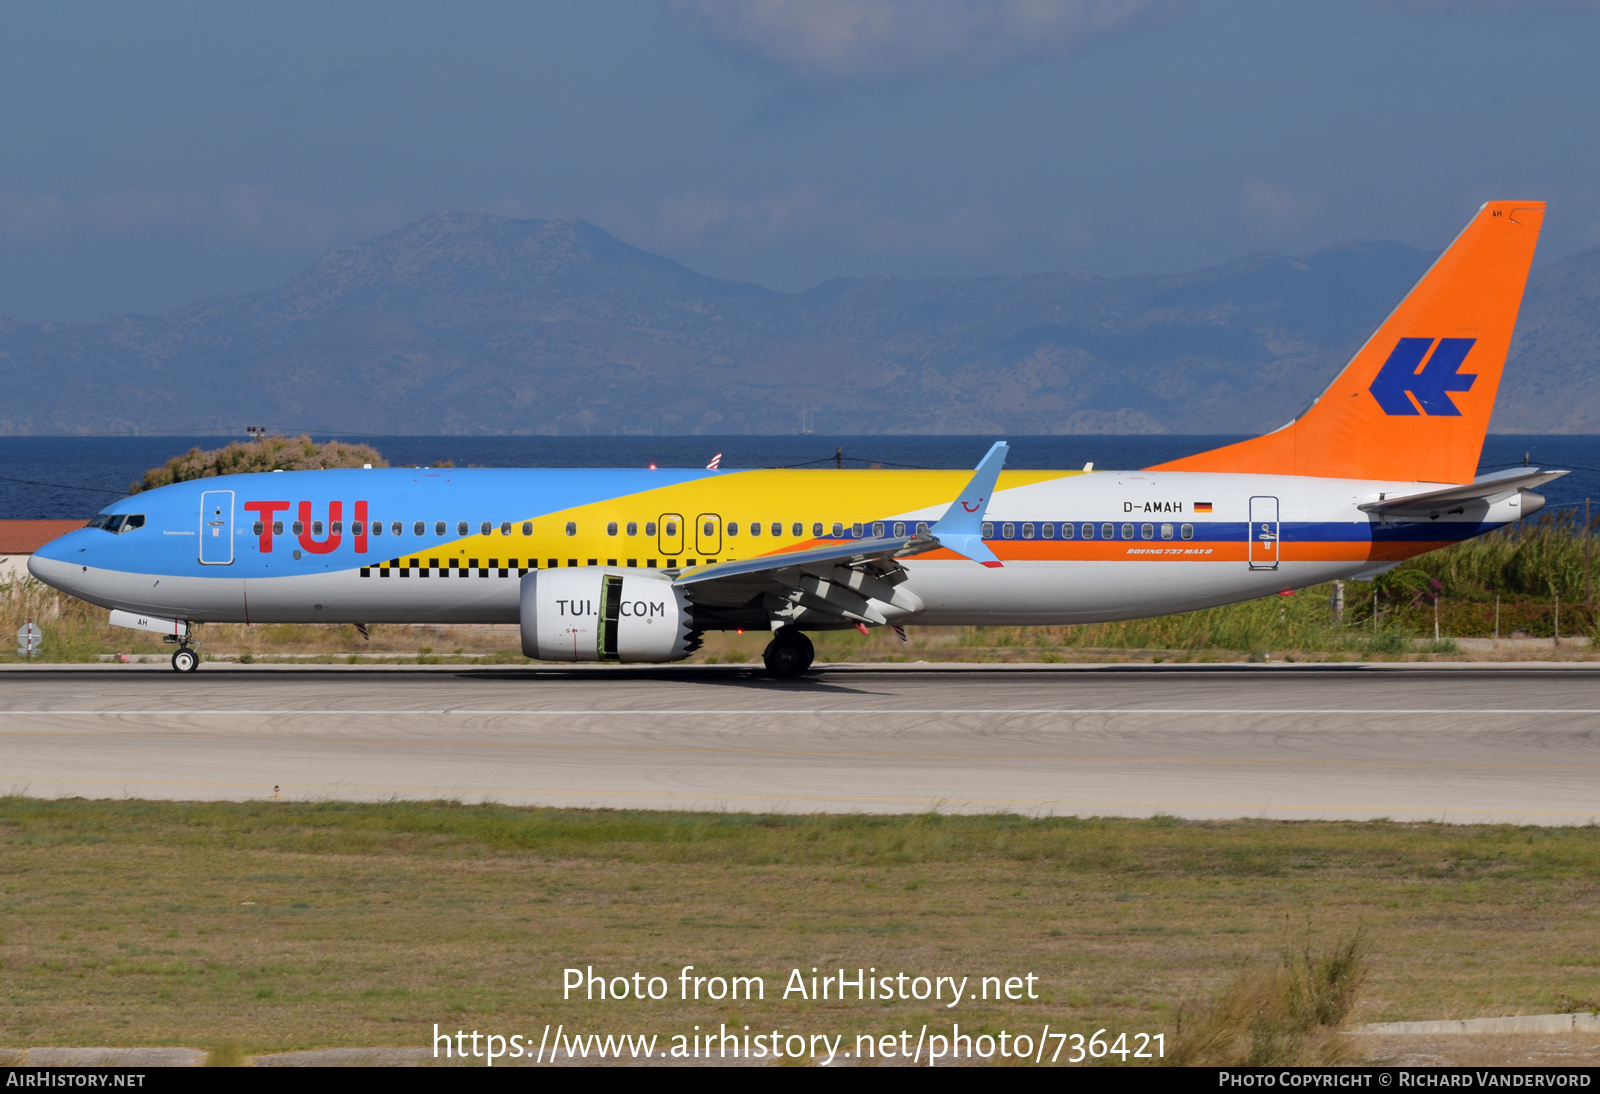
x,y
1485,490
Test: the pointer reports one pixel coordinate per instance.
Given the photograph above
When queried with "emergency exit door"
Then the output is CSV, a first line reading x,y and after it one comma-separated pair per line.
x,y
708,534
1264,535
670,535
216,527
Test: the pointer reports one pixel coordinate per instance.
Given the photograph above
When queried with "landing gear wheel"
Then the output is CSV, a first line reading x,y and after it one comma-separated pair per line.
x,y
789,654
185,660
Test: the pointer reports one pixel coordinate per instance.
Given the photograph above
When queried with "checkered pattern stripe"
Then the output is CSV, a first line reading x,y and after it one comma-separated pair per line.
x,y
450,567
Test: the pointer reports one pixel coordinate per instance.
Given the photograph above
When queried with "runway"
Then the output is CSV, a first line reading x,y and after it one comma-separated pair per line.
x,y
1447,742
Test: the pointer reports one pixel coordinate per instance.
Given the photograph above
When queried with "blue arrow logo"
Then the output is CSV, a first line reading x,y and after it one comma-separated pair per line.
x,y
1431,385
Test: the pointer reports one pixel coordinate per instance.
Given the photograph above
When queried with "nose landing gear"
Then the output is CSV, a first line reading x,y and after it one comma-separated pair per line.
x,y
789,654
187,658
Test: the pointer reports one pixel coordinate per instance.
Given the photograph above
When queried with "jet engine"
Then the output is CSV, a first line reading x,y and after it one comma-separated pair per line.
x,y
592,613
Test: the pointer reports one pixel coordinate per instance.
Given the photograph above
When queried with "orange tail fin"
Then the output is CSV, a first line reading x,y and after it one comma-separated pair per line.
x,y
1414,403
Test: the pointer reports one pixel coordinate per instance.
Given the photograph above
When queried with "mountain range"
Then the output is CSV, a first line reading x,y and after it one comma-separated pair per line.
x,y
474,323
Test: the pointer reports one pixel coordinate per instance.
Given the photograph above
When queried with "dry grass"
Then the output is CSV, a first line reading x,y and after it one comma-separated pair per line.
x,y
276,926
1291,1015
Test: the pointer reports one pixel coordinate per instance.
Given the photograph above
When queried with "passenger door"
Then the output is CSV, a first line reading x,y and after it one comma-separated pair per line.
x,y
1263,533
216,528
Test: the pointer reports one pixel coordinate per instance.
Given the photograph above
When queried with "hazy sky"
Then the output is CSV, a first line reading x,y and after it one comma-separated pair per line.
x,y
155,153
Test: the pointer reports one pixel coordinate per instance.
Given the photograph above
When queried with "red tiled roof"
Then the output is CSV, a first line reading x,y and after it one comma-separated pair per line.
x,y
23,537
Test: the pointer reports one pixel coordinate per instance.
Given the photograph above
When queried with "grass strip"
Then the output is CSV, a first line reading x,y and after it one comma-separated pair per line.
x,y
279,925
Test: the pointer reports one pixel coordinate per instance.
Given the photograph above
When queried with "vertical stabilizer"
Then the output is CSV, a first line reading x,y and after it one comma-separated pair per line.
x,y
1414,403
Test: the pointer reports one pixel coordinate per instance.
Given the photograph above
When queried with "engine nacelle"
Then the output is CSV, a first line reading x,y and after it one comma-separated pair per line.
x,y
593,613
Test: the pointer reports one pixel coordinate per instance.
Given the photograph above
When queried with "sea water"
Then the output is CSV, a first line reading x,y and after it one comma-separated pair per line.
x,y
73,477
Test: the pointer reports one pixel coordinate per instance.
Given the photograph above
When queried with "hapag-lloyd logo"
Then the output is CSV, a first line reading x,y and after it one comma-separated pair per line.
x,y
1405,376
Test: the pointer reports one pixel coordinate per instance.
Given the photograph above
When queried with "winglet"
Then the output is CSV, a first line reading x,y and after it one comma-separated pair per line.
x,y
961,528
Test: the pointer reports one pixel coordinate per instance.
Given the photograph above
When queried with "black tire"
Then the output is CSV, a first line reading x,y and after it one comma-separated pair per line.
x,y
185,661
789,654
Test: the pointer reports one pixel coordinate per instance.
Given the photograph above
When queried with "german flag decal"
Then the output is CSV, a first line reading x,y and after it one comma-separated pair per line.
x,y
1202,507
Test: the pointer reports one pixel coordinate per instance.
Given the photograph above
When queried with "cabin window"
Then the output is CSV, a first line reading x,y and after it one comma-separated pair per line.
x,y
1008,531
338,528
988,530
316,527
633,528
649,527
838,530
856,530
299,529
419,529
755,528
733,528
1166,531
1088,531
397,528
777,528
1108,531
505,528
1127,531
527,527
258,528
438,527
1147,531
486,529
1027,531
1066,529
877,529
611,528
572,527
922,527
377,527
1047,531
277,527
816,528
461,527
1187,531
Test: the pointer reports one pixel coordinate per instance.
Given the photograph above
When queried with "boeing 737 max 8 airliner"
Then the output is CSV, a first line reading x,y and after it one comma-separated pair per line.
x,y
622,565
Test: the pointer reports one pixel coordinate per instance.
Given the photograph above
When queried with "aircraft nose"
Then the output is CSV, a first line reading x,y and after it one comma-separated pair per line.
x,y
52,571
56,563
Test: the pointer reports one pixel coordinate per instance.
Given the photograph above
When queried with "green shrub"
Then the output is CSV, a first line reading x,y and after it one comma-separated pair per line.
x,y
274,453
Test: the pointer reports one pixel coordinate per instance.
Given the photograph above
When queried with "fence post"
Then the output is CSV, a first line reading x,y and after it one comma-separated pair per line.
x,y
1558,619
1588,590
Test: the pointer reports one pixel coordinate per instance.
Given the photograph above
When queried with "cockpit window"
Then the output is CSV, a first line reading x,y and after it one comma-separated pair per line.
x,y
117,523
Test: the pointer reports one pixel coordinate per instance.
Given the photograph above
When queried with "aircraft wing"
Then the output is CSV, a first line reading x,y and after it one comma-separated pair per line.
x,y
1484,490
854,552
854,580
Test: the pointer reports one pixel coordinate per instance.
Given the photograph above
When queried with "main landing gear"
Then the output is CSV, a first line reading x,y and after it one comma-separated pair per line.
x,y
789,654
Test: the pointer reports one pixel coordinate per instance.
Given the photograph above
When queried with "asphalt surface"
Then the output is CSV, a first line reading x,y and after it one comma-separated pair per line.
x,y
1449,742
